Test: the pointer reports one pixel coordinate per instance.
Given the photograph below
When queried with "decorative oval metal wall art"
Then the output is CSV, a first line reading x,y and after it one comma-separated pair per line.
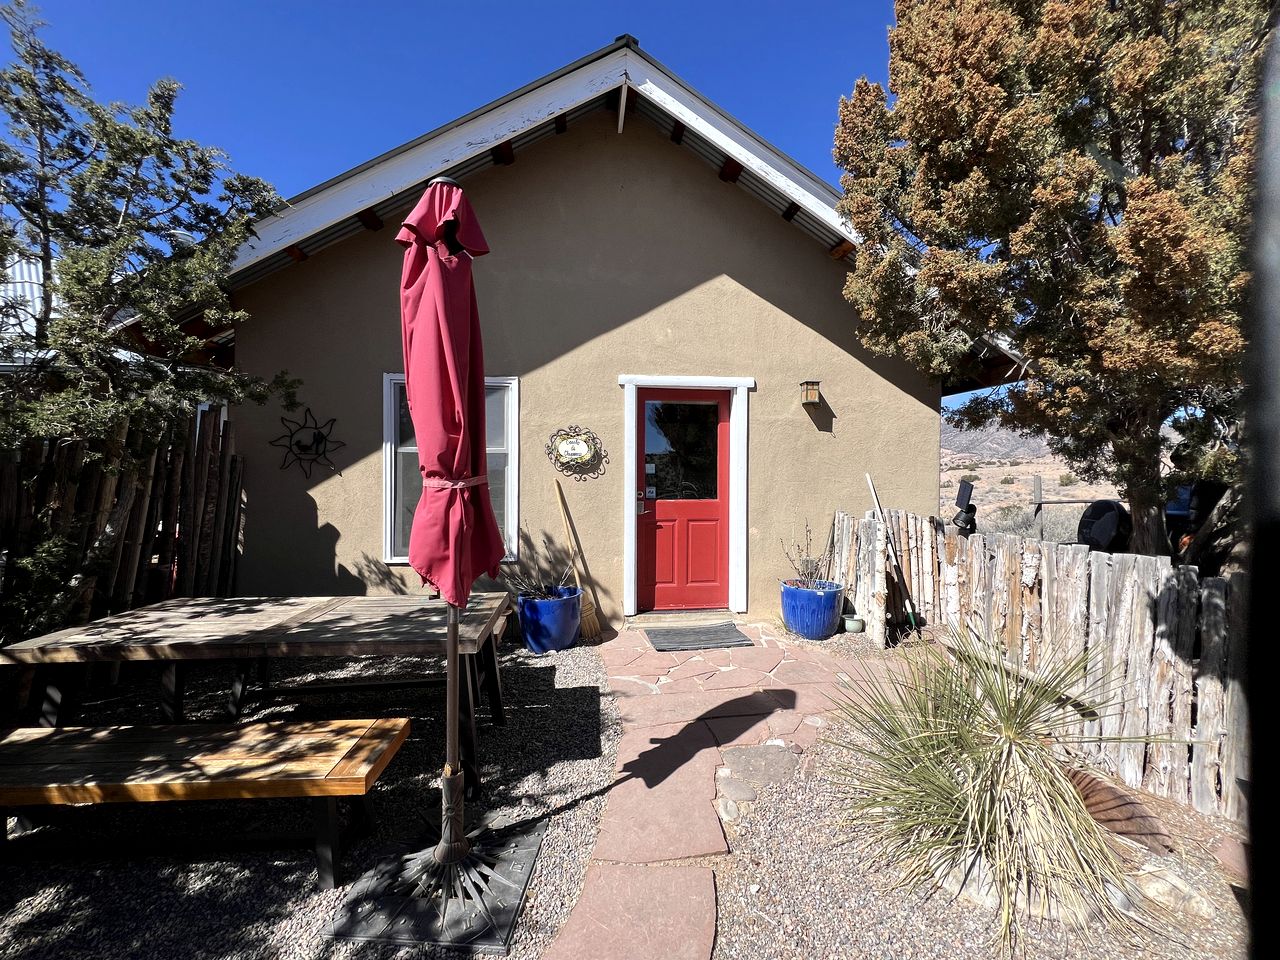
x,y
307,443
577,452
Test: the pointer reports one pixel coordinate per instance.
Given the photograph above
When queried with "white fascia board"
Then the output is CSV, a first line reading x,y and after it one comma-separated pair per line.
x,y
317,211
814,196
396,174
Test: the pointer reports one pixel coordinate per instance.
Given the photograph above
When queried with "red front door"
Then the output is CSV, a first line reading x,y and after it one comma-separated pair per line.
x,y
682,497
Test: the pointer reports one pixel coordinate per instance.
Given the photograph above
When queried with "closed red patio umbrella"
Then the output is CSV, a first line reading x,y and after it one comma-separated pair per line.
x,y
454,539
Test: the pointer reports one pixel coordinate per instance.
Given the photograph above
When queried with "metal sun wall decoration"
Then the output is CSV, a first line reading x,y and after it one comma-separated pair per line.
x,y
307,443
577,452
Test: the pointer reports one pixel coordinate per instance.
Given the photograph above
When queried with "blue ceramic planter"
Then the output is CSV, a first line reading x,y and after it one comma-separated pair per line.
x,y
551,624
812,612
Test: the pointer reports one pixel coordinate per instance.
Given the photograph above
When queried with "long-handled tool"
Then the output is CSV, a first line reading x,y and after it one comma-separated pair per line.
x,y
591,626
912,617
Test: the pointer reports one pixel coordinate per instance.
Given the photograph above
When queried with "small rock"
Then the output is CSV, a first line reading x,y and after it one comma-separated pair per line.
x,y
727,809
754,888
1234,857
1168,889
736,790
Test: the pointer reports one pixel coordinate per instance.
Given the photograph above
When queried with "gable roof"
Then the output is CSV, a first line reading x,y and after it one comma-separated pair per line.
x,y
621,76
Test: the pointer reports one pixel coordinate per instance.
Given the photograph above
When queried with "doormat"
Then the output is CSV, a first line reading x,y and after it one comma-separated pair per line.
x,y
705,636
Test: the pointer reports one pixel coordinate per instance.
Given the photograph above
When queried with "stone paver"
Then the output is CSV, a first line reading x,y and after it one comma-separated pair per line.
x,y
736,677
797,671
756,658
695,667
640,913
766,763
677,707
702,732
661,807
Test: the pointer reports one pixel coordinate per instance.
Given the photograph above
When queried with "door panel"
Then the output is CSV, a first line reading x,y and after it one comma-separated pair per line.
x,y
664,554
682,499
702,554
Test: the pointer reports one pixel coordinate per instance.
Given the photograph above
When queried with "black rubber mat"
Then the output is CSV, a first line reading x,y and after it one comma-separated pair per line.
x,y
704,636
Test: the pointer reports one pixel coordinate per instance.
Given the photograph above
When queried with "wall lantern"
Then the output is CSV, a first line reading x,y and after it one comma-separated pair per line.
x,y
809,392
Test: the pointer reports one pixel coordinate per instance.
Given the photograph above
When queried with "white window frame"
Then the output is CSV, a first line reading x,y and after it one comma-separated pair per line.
x,y
390,417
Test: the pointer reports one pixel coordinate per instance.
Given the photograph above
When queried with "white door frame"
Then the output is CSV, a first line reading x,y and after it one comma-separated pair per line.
x,y
739,389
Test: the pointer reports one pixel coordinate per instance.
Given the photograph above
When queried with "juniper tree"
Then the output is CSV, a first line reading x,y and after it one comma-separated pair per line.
x,y
130,232
1072,179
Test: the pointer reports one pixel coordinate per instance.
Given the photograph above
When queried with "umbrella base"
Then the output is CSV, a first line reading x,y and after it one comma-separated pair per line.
x,y
410,897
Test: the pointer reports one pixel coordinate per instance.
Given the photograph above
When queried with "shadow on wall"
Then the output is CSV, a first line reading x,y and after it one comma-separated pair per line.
x,y
823,417
306,563
545,559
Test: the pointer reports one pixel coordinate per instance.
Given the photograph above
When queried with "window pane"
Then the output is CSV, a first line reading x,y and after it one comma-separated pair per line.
x,y
680,450
408,488
498,489
495,415
407,479
404,437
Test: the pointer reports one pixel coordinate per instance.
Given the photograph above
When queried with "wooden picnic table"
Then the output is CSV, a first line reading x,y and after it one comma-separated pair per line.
x,y
249,630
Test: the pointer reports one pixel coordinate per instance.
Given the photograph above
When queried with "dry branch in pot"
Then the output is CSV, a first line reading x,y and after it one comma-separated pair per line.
x,y
810,568
541,572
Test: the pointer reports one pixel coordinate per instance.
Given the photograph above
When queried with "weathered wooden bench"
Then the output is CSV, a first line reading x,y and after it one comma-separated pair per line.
x,y
321,759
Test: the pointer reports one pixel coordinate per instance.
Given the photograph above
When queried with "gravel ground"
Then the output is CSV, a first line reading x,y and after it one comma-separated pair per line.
x,y
200,891
791,889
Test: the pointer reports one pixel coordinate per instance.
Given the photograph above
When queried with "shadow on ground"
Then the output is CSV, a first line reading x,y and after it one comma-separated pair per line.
x,y
215,879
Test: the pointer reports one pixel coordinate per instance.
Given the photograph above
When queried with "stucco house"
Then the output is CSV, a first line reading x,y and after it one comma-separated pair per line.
x,y
659,275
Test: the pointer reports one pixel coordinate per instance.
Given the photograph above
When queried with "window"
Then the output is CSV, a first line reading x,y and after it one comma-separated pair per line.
x,y
402,482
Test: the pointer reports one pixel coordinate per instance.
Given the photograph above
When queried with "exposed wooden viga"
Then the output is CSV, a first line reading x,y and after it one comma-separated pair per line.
x,y
1168,648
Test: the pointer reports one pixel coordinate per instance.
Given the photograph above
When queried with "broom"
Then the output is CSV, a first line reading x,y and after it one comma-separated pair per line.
x,y
591,628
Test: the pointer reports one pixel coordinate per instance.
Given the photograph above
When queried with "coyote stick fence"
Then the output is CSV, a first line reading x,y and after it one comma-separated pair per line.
x,y
163,522
1171,644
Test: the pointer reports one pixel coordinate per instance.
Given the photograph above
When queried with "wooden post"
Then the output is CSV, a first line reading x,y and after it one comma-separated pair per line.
x,y
175,508
1097,678
1183,641
1029,604
1210,686
207,507
142,571
1037,497
222,505
1235,753
195,472
127,571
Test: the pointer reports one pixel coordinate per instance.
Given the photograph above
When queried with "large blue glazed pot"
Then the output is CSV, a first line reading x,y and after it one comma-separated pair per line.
x,y
551,624
812,611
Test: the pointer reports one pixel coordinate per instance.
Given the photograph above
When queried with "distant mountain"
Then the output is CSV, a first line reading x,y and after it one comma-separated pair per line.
x,y
990,443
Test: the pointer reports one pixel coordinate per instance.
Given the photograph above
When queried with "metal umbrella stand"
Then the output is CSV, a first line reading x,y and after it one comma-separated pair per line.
x,y
452,888
457,888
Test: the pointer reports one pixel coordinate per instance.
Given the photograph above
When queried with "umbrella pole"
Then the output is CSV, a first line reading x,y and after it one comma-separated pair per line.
x,y
465,890
453,845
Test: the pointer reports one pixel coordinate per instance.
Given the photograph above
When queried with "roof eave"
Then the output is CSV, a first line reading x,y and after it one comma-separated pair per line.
x,y
313,217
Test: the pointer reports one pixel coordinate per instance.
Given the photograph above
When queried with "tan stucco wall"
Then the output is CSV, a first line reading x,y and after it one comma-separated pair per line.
x,y
611,254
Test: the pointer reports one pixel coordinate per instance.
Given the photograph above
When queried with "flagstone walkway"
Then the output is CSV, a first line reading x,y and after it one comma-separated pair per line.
x,y
702,730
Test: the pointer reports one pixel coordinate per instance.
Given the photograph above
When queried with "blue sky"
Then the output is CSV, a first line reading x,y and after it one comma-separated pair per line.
x,y
299,91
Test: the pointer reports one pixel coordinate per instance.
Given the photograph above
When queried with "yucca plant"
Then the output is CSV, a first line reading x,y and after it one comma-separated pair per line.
x,y
959,769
